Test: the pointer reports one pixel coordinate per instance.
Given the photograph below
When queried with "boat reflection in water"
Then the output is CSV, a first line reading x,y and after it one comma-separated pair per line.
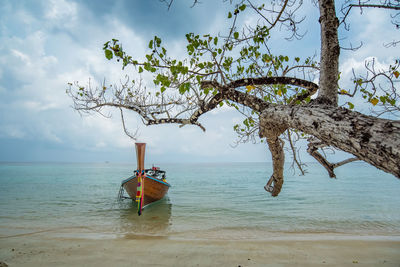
x,y
155,222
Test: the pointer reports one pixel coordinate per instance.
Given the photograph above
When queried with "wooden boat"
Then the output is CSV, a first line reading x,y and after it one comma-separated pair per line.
x,y
146,185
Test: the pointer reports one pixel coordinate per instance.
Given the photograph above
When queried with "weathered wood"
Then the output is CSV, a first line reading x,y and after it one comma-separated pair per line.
x,y
275,145
323,161
374,140
153,189
371,139
140,151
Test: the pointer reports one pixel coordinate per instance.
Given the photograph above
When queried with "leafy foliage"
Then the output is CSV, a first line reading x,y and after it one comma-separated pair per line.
x,y
233,69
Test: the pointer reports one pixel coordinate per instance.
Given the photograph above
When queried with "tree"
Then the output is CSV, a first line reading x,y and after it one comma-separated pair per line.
x,y
276,94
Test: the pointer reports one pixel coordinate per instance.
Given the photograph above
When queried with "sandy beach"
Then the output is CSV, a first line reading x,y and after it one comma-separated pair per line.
x,y
67,215
43,249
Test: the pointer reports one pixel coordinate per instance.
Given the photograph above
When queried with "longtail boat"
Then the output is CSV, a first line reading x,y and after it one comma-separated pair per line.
x,y
146,185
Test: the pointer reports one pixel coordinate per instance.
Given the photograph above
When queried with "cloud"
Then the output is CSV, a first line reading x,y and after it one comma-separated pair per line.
x,y
39,65
45,44
372,28
61,10
61,45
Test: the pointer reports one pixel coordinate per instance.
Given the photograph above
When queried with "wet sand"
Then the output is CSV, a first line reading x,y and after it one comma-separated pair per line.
x,y
43,249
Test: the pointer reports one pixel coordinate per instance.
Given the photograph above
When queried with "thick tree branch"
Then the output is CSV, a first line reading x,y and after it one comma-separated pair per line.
x,y
275,145
273,80
228,92
371,139
183,94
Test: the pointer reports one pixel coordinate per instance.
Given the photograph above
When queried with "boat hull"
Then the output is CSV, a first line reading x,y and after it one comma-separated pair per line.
x,y
154,189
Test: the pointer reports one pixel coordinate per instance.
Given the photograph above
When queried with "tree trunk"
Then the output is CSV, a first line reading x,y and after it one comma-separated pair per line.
x,y
330,50
374,140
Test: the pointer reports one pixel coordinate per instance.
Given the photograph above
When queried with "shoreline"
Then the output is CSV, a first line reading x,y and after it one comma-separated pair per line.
x,y
56,249
214,234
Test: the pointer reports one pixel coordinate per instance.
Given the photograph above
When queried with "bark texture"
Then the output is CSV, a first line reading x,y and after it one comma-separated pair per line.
x,y
374,140
275,145
371,139
330,50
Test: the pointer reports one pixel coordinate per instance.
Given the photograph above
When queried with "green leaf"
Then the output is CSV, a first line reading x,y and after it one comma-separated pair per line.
x,y
147,66
351,105
157,41
215,40
236,35
242,7
229,15
151,44
108,54
140,69
184,87
106,45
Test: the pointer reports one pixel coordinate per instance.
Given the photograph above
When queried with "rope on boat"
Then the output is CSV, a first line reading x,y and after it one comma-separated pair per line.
x,y
140,190
121,196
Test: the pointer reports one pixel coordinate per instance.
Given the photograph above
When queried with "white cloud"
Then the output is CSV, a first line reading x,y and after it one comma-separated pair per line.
x,y
24,58
38,108
61,9
62,13
373,28
37,62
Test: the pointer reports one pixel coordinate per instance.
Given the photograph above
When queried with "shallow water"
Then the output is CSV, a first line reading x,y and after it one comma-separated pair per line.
x,y
205,200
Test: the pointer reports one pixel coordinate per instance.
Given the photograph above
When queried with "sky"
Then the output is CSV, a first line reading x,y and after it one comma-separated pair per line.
x,y
46,44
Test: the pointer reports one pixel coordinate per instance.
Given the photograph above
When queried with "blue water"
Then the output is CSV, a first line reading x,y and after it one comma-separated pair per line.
x,y
205,199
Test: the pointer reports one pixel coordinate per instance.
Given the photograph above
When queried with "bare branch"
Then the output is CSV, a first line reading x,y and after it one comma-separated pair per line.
x,y
384,5
325,163
313,151
130,135
294,152
338,164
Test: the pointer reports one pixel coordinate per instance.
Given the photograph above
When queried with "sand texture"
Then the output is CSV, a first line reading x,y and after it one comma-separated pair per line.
x,y
44,250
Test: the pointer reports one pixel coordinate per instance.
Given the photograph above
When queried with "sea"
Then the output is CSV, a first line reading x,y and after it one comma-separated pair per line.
x,y
205,201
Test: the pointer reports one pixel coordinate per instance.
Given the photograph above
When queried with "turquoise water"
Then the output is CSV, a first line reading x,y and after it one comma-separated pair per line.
x,y
205,200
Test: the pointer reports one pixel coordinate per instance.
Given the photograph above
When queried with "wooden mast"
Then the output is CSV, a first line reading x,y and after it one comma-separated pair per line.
x,y
140,150
156,188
